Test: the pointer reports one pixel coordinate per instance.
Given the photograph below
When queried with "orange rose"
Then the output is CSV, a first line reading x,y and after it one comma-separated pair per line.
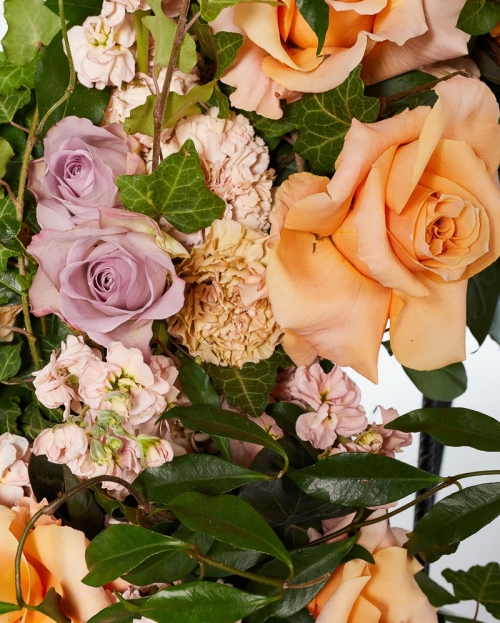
x,y
278,59
358,592
412,212
53,556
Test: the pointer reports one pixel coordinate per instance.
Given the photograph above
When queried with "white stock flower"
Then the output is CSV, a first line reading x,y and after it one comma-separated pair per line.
x,y
13,468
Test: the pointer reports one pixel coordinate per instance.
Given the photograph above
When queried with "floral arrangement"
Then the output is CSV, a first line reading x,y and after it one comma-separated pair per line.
x,y
208,211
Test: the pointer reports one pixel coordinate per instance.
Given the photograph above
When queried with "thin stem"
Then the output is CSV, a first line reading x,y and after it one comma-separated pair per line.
x,y
191,22
10,192
19,554
30,143
474,618
72,75
491,472
27,317
322,578
161,101
142,34
19,127
235,571
16,330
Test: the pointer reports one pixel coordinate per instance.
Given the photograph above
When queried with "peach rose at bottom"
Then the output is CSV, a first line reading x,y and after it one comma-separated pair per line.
x,y
53,556
386,592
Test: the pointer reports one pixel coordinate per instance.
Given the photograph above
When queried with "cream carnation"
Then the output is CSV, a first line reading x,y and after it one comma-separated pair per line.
x,y
101,51
226,318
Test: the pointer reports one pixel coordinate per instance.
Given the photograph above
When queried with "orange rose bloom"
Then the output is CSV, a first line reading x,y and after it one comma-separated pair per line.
x,y
279,57
412,212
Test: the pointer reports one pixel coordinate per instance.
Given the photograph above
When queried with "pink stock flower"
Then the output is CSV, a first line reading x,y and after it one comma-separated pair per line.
x,y
62,443
13,468
76,175
109,279
392,440
156,451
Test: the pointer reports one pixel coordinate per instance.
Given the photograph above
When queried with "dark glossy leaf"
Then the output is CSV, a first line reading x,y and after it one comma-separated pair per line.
x,y
361,479
50,607
113,507
84,512
9,412
29,24
479,583
248,387
479,16
447,617
33,423
454,426
359,552
176,190
456,517
10,361
195,383
209,602
286,415
436,594
10,290
444,384
13,77
323,120
46,478
170,566
215,421
310,564
51,81
76,11
302,616
483,291
398,84
202,473
120,548
435,552
232,556
316,13
231,520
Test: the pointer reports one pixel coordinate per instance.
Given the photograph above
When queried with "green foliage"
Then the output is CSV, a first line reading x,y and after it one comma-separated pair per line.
x,y
316,13
120,548
195,383
51,81
30,23
483,291
176,190
361,479
10,289
399,84
210,9
202,473
76,11
46,478
50,607
6,608
248,387
231,556
11,103
10,361
187,603
141,118
286,415
9,412
479,16
479,583
453,427
6,154
33,423
272,128
163,31
231,520
13,77
179,106
435,593
221,423
323,120
455,518
84,512
444,384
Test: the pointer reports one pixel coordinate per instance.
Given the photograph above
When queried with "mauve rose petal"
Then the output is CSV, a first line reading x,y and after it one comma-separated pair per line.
x,y
44,298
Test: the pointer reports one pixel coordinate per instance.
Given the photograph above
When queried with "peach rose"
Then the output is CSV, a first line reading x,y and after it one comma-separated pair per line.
x,y
54,556
358,592
412,212
278,59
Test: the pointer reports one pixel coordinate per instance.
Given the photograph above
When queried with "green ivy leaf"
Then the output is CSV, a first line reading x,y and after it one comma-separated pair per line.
x,y
435,593
483,291
210,9
120,548
248,387
30,23
76,11
176,190
9,225
209,602
179,106
13,77
221,423
361,479
33,423
479,16
163,31
141,118
323,120
231,520
317,15
272,128
479,583
9,412
444,384
11,103
6,154
10,361
453,427
10,290
51,81
456,518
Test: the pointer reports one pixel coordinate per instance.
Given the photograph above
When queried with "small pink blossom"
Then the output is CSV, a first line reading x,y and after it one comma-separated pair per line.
x,y
156,451
61,444
13,468
392,440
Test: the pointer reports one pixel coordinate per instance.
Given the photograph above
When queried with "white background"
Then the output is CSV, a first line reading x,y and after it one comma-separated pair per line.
x,y
483,394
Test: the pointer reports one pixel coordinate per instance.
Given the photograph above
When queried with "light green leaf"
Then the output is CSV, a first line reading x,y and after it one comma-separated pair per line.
x,y
210,9
248,387
176,190
5,607
6,153
141,118
323,120
479,583
10,361
479,16
30,24
9,225
179,106
13,77
163,31
11,103
444,384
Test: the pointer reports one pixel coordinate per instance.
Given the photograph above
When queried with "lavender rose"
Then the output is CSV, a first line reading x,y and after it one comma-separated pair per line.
x,y
78,171
110,278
